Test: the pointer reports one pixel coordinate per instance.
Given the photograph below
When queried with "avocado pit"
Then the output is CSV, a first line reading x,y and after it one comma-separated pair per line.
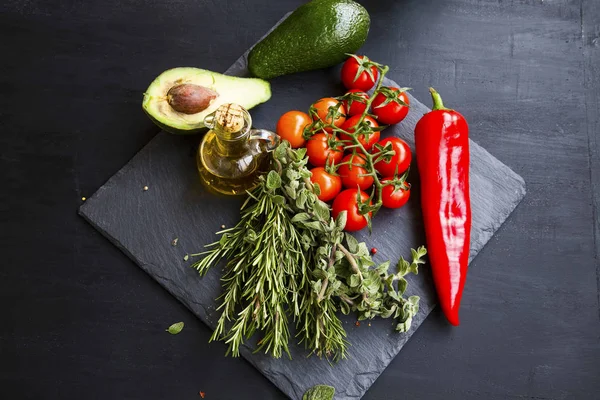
x,y
188,98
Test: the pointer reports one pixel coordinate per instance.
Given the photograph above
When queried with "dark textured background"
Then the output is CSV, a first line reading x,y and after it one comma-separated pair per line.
x,y
80,320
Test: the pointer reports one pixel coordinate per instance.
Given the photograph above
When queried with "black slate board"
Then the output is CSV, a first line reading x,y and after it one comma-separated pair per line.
x,y
144,223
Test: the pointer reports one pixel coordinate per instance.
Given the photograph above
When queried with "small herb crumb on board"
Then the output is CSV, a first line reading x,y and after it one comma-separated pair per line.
x,y
175,328
319,392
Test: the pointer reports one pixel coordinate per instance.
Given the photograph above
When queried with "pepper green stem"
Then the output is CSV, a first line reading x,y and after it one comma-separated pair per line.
x,y
437,100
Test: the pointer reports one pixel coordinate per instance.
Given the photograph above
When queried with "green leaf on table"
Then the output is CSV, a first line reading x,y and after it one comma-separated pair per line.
x,y
421,252
352,243
402,285
344,308
278,199
319,274
341,220
300,217
387,312
316,225
363,250
290,192
322,210
319,392
280,152
301,152
404,326
273,180
316,189
403,266
317,286
175,328
301,199
382,268
292,175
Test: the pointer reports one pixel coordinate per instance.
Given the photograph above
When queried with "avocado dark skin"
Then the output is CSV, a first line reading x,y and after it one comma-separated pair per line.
x,y
316,35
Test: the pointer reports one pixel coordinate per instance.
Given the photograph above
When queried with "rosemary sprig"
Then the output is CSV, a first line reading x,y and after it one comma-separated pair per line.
x,y
264,272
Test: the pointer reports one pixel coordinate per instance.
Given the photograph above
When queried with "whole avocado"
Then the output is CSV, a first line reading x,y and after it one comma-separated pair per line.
x,y
316,35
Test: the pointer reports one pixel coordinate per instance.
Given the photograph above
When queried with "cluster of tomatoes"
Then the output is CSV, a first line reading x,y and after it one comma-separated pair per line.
x,y
342,137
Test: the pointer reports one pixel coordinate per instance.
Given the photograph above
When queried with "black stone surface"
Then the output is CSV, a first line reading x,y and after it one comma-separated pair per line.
x,y
79,320
143,224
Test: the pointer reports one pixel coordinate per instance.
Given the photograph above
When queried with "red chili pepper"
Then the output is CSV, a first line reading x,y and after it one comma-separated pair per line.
x,y
442,146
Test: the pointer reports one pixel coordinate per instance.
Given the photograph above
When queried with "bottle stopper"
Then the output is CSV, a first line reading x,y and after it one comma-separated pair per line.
x,y
230,117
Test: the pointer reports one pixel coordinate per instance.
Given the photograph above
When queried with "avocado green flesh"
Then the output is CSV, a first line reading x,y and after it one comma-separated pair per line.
x,y
316,35
247,92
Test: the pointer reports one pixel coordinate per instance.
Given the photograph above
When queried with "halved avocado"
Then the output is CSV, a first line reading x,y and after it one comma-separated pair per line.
x,y
179,98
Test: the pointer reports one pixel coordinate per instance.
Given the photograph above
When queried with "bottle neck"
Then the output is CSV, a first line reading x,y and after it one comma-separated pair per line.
x,y
231,143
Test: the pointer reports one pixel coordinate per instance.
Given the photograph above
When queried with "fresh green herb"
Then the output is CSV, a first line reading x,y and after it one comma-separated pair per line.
x,y
319,392
175,328
288,259
265,272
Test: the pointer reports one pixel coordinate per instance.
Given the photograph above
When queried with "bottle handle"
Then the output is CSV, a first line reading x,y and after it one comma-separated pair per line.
x,y
269,140
209,120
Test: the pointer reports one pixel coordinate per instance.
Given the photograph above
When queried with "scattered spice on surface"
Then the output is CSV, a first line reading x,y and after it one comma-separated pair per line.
x,y
174,242
145,188
369,324
202,394
223,226
357,323
83,199
374,250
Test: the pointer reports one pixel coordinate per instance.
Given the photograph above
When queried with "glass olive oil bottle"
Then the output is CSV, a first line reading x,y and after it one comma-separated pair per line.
x,y
232,155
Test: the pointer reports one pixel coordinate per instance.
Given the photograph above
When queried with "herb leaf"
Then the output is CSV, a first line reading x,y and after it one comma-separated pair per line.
x,y
319,392
175,328
273,180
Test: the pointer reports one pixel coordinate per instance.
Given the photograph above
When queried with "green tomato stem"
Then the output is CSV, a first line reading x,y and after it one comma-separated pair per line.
x,y
369,158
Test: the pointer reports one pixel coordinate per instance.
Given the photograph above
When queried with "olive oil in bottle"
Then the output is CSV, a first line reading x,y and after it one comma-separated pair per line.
x,y
231,155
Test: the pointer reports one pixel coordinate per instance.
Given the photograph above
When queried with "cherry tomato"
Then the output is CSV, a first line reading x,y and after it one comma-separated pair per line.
x,y
393,112
355,73
347,201
351,175
291,126
322,107
357,100
319,152
329,184
399,162
368,141
393,197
